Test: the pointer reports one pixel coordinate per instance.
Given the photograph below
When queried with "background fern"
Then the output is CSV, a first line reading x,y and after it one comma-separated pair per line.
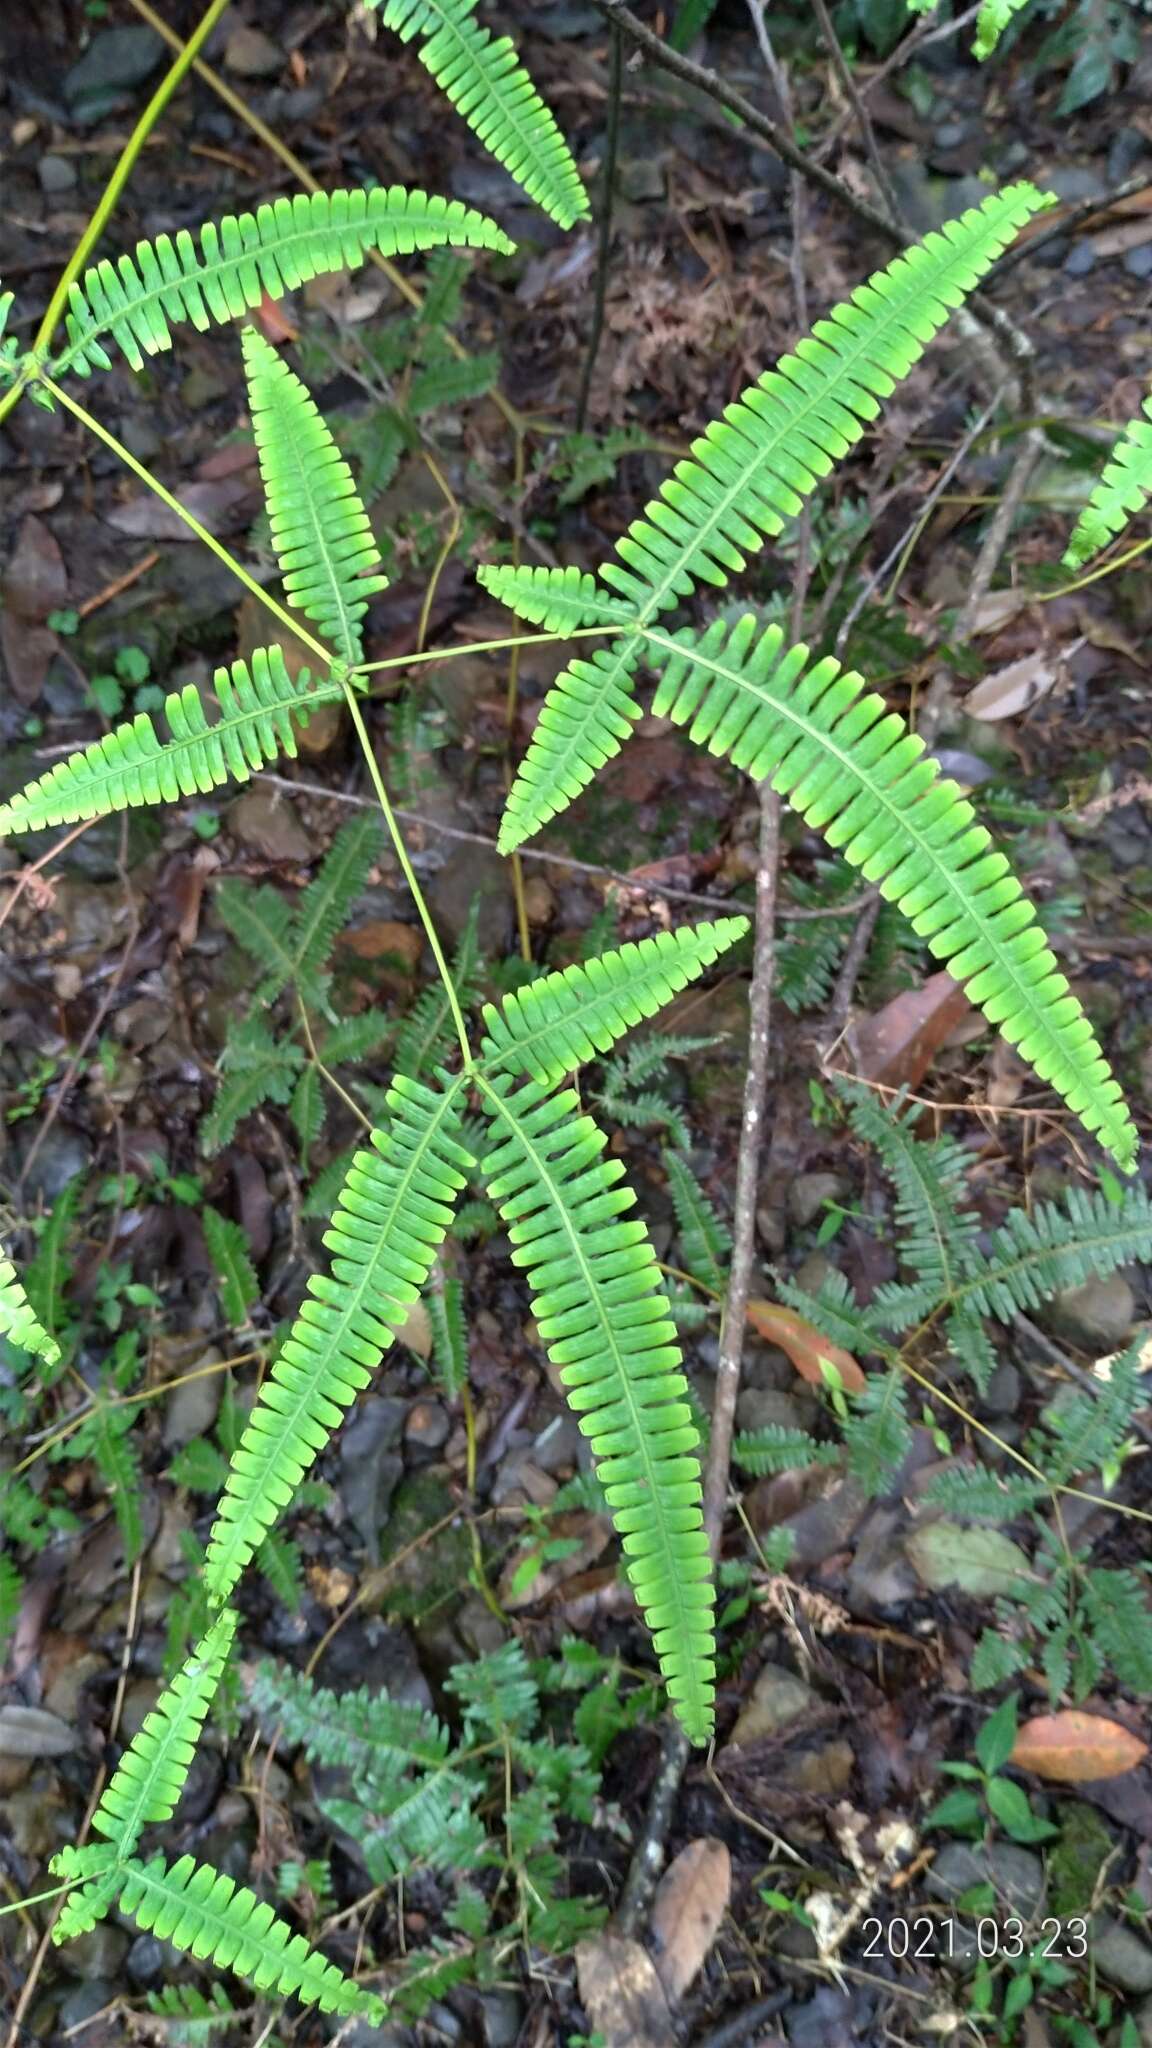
x,y
1123,489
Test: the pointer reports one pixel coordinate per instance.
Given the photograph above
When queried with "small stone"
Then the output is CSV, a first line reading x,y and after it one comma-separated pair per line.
x,y
263,819
1120,1955
428,1426
32,1731
808,1194
192,1407
1002,1394
813,1271
777,1699
1124,153
764,1408
1081,259
1138,262
99,1953
1016,1874
539,901
251,54
642,178
56,174
83,2002
503,2015
385,938
1096,1317
116,60
820,1773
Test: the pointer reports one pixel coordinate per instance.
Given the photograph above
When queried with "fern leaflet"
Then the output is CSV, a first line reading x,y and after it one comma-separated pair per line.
x,y
228,1250
705,1239
131,766
18,1320
1124,489
320,531
209,1915
1032,1257
490,88
223,270
852,769
929,1181
147,1782
604,1320
393,1212
557,1023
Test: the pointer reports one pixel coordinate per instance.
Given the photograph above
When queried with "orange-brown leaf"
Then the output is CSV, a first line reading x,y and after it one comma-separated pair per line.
x,y
1074,1748
804,1344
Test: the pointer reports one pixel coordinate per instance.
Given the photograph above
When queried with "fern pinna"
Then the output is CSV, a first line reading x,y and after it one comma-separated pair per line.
x,y
485,81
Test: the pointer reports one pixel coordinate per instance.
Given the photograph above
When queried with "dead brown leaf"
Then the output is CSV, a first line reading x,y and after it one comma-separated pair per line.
x,y
691,1900
1017,687
897,1045
1073,1748
621,1993
35,583
804,1344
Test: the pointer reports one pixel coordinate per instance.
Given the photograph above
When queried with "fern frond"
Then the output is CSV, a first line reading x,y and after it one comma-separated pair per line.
x,y
228,1250
557,1023
445,1304
94,1872
222,270
929,1177
256,1066
1123,490
393,1212
487,85
777,1449
556,600
324,906
18,1320
106,1438
853,770
364,1732
980,1495
451,381
1032,1257
427,1033
744,478
705,1239
149,1778
131,766
605,1323
320,531
991,22
210,1916
47,1275
260,920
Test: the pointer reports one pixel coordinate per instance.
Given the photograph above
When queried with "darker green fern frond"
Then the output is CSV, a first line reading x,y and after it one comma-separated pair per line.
x,y
487,85
1060,1244
604,1319
929,1177
132,766
18,1320
746,476
148,1780
557,1023
324,543
222,270
211,1917
853,770
1124,489
393,1212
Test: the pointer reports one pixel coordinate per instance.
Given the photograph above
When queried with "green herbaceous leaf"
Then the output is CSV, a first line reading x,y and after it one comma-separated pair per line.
x,y
996,1737
979,1562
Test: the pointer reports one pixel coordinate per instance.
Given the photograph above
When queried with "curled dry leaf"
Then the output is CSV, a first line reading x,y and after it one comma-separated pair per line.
x,y
1015,688
1074,1748
621,1993
804,1344
691,1901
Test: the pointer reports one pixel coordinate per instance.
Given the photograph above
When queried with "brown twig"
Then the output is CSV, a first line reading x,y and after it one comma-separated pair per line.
x,y
1072,216
604,237
923,33
121,583
860,113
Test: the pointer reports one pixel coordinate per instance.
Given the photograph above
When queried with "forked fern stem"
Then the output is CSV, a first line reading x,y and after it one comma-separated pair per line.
x,y
125,455
109,197
409,872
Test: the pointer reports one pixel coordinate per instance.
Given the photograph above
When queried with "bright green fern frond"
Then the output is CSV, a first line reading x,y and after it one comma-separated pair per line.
x,y
1061,1244
394,1210
490,88
604,1320
18,1321
149,1778
1124,488
223,270
745,477
324,544
130,767
209,1915
558,600
854,771
557,1023
991,23
95,1873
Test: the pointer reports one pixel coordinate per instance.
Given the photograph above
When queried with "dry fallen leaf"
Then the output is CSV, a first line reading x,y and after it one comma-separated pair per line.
x,y
1074,1748
1015,688
897,1045
621,1993
804,1344
691,1901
